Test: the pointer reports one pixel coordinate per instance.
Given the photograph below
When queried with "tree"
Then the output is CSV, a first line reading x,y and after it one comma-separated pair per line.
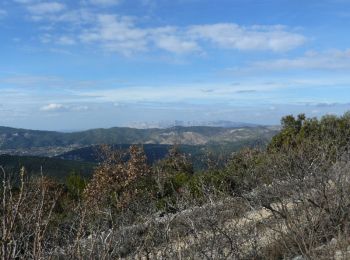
x,y
113,182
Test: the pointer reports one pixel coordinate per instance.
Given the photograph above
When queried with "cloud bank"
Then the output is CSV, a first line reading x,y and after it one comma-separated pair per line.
x,y
127,35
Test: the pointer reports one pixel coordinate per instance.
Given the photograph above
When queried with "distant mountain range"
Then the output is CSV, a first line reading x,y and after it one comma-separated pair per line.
x,y
78,151
168,124
23,141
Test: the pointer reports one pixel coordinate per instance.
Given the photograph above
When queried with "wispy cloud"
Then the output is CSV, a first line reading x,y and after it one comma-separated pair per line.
x,y
195,94
53,107
331,60
31,81
331,104
46,8
117,34
56,107
66,40
50,82
105,2
246,91
55,90
233,36
121,34
113,32
175,44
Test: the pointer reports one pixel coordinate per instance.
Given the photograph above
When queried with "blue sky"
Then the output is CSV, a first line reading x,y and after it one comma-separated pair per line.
x,y
102,63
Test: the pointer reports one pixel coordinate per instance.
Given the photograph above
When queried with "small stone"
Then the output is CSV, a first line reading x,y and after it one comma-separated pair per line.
x,y
333,241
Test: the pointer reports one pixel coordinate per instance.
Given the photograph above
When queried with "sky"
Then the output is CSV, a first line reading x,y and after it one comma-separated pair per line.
x,y
71,65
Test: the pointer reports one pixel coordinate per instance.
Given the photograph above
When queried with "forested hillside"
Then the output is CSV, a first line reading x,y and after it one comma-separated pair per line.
x,y
51,167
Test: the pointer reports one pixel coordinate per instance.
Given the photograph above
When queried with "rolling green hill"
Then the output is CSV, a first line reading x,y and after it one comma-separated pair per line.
x,y
77,151
20,140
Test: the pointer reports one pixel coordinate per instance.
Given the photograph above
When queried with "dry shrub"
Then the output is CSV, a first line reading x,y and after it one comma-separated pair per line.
x,y
27,214
309,199
113,183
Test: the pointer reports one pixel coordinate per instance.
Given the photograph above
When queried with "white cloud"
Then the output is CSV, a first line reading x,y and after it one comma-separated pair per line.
x,y
105,2
79,108
47,38
73,17
223,93
233,36
173,39
327,60
53,107
46,8
56,107
66,40
174,44
178,93
122,34
116,33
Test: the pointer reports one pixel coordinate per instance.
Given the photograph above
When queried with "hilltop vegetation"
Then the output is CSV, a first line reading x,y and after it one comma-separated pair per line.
x,y
290,199
83,160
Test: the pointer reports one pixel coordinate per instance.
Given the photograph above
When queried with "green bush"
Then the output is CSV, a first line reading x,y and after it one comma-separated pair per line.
x,y
75,184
